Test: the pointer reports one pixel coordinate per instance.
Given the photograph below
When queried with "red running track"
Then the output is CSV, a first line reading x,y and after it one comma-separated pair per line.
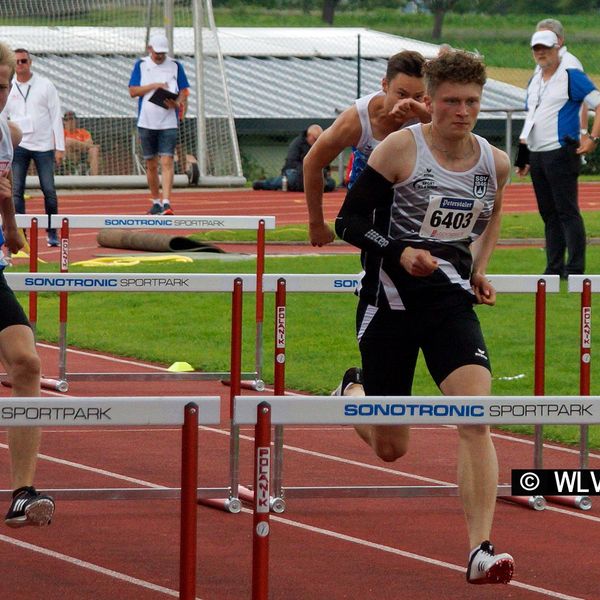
x,y
334,549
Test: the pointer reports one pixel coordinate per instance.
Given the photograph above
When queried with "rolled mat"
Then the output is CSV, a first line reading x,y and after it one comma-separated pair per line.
x,y
151,241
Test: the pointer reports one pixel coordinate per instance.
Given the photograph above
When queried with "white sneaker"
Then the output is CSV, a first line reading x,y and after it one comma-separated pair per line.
x,y
487,567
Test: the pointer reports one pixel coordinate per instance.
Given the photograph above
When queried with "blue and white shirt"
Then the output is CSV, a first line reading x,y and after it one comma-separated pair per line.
x,y
553,108
145,71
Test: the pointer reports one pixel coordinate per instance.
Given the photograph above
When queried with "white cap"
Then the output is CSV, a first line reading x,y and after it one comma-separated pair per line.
x,y
159,43
544,38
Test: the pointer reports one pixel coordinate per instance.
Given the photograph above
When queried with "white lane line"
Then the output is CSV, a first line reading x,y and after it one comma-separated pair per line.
x,y
82,467
409,555
511,438
90,566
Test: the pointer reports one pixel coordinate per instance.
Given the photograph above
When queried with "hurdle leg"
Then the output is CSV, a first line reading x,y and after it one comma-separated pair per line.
x,y
232,503
539,367
189,485
585,364
580,502
278,501
533,502
260,521
63,300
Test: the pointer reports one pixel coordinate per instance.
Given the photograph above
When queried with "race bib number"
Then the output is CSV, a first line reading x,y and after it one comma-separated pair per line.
x,y
449,219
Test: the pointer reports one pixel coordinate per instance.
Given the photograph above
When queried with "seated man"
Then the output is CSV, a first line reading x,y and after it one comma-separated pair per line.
x,y
292,169
79,141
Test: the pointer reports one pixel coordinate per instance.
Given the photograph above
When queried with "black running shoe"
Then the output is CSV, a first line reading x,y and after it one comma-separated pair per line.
x,y
352,376
485,566
29,507
156,209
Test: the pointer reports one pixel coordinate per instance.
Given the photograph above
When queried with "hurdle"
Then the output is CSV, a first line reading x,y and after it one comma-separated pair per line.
x,y
205,222
585,285
186,411
264,411
31,222
328,283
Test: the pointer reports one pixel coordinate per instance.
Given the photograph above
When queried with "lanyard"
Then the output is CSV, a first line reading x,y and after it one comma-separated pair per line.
x,y
20,92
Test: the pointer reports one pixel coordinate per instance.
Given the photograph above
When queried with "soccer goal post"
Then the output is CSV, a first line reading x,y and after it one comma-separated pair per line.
x,y
88,48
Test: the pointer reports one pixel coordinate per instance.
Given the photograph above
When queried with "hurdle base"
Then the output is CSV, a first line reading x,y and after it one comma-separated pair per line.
x,y
46,383
159,376
580,502
533,502
120,493
258,385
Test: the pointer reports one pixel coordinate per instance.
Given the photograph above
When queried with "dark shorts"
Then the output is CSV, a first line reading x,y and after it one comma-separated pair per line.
x,y
11,312
390,340
157,142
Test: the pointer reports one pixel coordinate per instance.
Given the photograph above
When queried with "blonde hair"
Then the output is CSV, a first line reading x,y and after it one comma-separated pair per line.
x,y
7,58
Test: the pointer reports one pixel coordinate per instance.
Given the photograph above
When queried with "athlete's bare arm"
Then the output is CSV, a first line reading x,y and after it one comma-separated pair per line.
x,y
12,239
344,132
483,247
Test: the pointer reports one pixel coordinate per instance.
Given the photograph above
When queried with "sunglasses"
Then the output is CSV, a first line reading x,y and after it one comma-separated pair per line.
x,y
22,61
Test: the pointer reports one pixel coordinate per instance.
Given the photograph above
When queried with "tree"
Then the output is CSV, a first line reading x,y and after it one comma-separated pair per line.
x,y
329,11
439,8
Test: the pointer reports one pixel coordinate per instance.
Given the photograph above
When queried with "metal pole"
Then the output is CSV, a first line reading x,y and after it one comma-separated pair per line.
x,y
539,369
358,70
261,526
509,140
168,20
189,505
198,18
585,364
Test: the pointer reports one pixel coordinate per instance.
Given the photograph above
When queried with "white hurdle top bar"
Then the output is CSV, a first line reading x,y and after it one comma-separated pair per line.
x,y
421,410
576,282
161,222
149,410
223,282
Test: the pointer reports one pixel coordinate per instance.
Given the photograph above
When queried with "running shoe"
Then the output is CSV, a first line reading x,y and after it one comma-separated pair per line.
x,y
487,567
29,507
166,209
52,238
155,210
352,376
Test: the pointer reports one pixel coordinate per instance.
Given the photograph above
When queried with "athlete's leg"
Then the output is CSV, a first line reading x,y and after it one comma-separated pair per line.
x,y
20,359
389,356
477,462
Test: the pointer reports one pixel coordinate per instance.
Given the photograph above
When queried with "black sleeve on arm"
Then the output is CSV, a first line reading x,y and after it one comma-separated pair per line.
x,y
371,192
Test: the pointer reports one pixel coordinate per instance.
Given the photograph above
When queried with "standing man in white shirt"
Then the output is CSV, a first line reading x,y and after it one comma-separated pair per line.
x,y
157,124
34,105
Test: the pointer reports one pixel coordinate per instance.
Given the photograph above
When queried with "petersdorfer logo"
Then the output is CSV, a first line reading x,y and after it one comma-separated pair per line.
x,y
480,185
280,340
263,470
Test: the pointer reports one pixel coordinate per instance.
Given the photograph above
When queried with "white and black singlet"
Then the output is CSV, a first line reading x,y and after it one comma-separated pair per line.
x,y
438,210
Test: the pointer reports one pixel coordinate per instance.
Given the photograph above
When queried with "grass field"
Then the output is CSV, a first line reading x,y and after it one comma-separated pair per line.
x,y
320,338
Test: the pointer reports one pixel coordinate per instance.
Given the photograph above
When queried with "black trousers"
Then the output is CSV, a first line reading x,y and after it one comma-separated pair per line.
x,y
554,175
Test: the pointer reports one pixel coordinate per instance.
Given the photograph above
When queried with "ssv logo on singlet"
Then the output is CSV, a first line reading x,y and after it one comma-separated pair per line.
x,y
480,185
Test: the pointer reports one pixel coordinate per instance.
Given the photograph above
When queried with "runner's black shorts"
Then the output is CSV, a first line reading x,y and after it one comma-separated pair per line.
x,y
11,312
390,340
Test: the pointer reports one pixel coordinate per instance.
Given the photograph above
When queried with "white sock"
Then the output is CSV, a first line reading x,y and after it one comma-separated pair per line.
x,y
166,201
156,201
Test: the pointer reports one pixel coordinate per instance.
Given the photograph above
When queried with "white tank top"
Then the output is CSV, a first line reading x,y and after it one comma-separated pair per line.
x,y
6,157
367,142
439,210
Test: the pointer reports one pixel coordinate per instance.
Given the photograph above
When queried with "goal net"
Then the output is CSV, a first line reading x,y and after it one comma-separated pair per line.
x,y
87,48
